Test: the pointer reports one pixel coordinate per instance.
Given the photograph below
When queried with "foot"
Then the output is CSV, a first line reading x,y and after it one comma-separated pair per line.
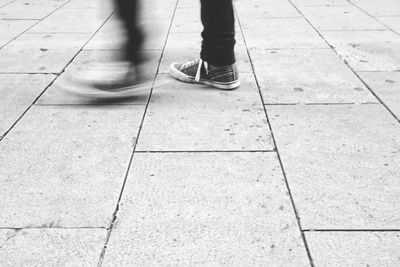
x,y
199,71
119,79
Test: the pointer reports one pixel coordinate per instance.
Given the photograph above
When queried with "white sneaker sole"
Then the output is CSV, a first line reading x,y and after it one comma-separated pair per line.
x,y
177,74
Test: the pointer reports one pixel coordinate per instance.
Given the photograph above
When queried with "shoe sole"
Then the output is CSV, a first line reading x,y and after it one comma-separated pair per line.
x,y
86,90
174,72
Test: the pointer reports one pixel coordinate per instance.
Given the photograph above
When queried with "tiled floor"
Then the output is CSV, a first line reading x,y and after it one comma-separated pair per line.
x,y
300,166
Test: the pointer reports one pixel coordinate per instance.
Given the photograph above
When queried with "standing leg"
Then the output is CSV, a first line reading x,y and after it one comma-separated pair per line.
x,y
218,35
216,66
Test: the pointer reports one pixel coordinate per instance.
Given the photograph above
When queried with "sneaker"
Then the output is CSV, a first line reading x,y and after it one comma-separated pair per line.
x,y
111,80
199,71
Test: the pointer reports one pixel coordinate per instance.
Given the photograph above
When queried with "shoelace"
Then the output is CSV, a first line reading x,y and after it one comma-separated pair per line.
x,y
200,63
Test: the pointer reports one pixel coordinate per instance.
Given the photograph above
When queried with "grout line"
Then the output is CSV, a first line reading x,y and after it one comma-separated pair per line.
x,y
55,33
351,230
321,104
114,217
349,30
373,17
20,19
307,250
88,104
50,84
347,64
202,151
29,73
53,227
366,71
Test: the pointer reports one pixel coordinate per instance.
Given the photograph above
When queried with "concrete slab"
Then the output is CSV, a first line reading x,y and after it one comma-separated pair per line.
x,y
71,21
56,94
199,118
252,9
392,22
367,50
188,3
3,3
10,29
281,33
389,8
64,166
320,2
354,248
51,247
17,93
209,209
40,53
112,36
340,18
342,163
157,10
307,76
89,4
30,9
387,86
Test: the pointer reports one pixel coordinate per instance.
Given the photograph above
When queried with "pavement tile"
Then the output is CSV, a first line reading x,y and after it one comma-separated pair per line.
x,y
320,2
10,29
57,95
281,33
112,37
387,86
391,22
17,93
387,8
51,247
200,118
367,50
188,3
40,53
90,4
157,10
340,18
342,164
30,9
354,248
64,166
307,76
251,9
3,3
71,21
183,209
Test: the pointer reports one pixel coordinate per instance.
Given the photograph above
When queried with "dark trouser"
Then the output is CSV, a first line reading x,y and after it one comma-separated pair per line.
x,y
219,32
127,10
218,35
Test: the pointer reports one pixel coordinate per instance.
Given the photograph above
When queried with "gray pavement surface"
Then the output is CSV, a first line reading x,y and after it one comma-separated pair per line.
x,y
300,166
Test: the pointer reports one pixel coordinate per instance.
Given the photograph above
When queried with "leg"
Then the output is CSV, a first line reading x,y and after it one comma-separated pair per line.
x,y
127,10
216,66
218,35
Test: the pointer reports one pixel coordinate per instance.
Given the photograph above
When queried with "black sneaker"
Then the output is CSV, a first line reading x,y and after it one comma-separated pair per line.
x,y
199,71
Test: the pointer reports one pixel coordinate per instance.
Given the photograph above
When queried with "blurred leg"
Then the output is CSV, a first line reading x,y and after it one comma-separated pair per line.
x,y
127,10
218,35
